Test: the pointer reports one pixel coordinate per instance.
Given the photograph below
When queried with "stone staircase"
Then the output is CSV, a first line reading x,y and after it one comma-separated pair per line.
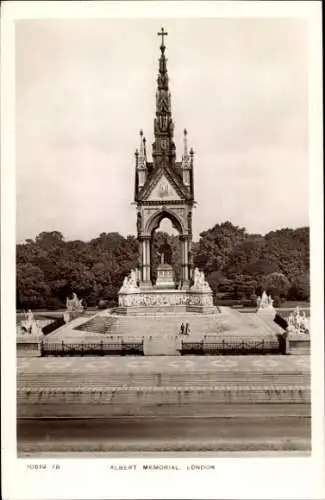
x,y
102,388
99,324
160,332
99,379
169,324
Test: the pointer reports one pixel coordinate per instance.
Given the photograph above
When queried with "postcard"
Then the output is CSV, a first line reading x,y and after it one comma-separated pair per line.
x,y
162,250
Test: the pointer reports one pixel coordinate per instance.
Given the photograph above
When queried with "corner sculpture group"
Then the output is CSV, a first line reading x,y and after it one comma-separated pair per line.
x,y
200,283
130,283
29,324
264,302
74,304
297,321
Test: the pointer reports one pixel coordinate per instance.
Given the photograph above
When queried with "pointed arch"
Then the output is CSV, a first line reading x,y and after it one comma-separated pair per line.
x,y
164,213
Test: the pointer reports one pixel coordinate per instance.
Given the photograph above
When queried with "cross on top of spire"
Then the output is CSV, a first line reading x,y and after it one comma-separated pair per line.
x,y
162,33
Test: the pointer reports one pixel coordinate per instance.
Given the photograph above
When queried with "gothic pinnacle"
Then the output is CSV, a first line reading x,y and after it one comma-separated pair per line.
x,y
142,145
185,144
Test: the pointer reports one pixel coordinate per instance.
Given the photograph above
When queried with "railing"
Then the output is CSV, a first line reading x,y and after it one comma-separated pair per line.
x,y
233,347
95,349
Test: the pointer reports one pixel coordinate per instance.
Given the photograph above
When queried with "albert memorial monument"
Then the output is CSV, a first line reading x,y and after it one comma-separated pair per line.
x,y
155,303
164,188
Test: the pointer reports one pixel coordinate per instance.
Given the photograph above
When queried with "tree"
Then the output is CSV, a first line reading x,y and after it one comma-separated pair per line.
x,y
300,288
49,269
49,239
236,264
32,291
289,250
246,257
276,284
216,246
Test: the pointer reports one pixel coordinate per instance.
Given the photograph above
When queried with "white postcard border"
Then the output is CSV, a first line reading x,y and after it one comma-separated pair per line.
x,y
92,478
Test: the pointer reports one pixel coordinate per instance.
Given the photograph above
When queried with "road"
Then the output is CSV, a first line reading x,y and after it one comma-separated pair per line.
x,y
243,433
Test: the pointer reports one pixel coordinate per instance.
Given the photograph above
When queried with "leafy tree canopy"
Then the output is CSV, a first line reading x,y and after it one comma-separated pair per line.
x,y
237,264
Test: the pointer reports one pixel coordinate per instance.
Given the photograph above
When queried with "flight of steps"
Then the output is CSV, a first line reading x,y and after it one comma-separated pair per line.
x,y
94,390
99,324
160,324
100,379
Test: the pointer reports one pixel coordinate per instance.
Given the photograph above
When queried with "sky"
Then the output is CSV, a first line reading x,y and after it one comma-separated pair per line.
x,y
84,89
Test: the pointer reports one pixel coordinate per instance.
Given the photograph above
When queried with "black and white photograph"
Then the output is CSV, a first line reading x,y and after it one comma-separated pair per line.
x,y
163,295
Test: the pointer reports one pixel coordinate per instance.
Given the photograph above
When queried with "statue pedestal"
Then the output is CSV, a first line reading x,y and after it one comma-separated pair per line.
x,y
165,277
163,296
28,345
164,300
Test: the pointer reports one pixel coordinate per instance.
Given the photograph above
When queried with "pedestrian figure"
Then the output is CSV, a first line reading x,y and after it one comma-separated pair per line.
x,y
187,329
182,329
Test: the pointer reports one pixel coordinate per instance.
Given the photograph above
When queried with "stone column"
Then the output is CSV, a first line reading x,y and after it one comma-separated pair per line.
x,y
186,260
141,257
190,260
189,249
146,261
184,256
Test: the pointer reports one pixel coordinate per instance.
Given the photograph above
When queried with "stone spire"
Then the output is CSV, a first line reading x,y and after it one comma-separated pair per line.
x,y
163,149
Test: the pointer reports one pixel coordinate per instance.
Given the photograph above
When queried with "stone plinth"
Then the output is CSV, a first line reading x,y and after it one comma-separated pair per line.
x,y
29,345
299,343
193,301
165,277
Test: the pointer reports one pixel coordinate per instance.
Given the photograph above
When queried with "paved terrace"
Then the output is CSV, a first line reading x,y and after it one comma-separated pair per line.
x,y
163,364
105,326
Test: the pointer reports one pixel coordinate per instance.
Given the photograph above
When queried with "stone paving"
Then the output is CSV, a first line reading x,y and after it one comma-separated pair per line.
x,y
106,326
164,364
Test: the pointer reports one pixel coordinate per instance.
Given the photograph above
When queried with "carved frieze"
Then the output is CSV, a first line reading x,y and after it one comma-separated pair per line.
x,y
152,299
